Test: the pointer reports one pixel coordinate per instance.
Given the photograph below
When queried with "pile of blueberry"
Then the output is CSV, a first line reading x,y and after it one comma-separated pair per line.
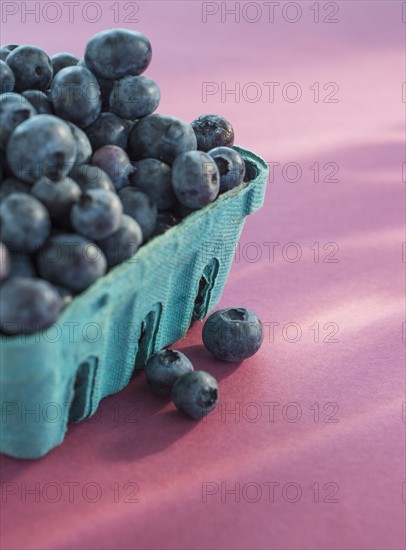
x,y
88,173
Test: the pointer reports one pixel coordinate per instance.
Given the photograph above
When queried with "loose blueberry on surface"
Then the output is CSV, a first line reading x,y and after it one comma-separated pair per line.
x,y
153,177
195,393
134,97
13,185
108,129
5,262
14,109
83,145
231,166
7,79
28,305
58,197
162,137
40,101
141,208
71,261
212,131
41,146
115,162
63,59
32,68
115,53
25,223
91,177
122,244
195,179
164,368
97,214
233,334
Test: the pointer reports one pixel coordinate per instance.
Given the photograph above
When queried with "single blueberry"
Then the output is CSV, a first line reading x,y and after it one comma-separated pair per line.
x,y
212,131
71,261
153,177
97,214
162,137
91,177
195,393
41,145
233,334
6,49
13,185
83,145
114,53
24,223
22,265
40,101
14,109
75,94
231,166
115,162
164,368
165,220
122,244
195,179
133,97
7,79
62,60
32,68
5,262
181,211
58,197
108,129
28,305
141,207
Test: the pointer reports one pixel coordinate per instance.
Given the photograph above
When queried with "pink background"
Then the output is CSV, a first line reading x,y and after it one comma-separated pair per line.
x,y
138,438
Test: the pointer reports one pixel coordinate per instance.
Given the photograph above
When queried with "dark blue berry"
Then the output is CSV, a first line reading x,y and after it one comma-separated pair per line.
x,y
108,129
7,79
24,223
58,197
83,145
115,162
75,94
22,265
231,166
6,49
5,262
212,131
41,145
233,334
13,185
164,368
161,137
141,207
63,59
195,393
133,97
97,214
28,305
195,179
71,261
122,244
115,53
91,177
14,109
165,220
153,177
40,101
32,68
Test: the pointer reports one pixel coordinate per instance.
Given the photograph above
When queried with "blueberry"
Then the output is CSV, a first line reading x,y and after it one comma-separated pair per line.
x,y
195,179
153,177
195,393
41,145
233,334
62,60
6,49
164,368
114,53
58,197
28,305
75,94
5,262
7,79
65,294
91,177
14,109
108,129
122,244
182,211
83,145
134,97
25,223
71,261
165,220
161,137
141,207
115,162
231,166
97,214
212,131
13,185
40,101
22,265
32,68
